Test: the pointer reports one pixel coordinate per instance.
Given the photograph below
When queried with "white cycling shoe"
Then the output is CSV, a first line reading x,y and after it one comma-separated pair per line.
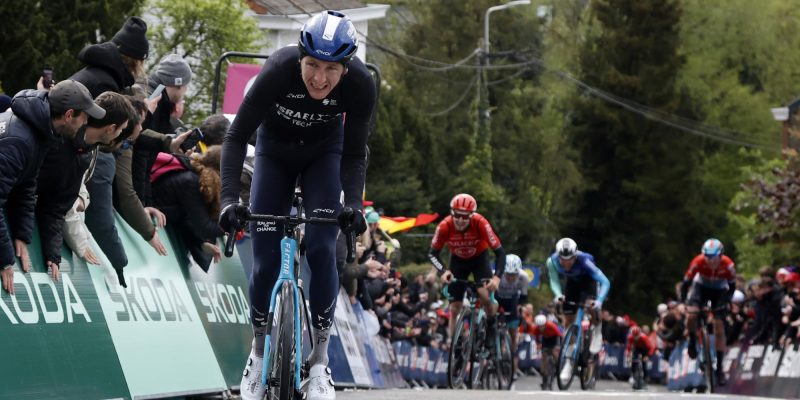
x,y
251,387
319,385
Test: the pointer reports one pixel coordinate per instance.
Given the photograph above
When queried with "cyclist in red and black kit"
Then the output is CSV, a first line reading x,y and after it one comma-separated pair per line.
x,y
548,337
639,343
712,277
468,235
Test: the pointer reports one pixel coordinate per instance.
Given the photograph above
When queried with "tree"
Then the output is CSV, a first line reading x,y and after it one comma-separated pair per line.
x,y
201,31
636,213
51,33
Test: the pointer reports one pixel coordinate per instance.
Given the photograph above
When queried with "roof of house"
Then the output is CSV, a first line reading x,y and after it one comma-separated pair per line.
x,y
290,7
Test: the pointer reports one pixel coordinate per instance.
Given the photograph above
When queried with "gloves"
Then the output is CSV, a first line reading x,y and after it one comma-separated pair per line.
x,y
233,217
597,305
351,220
559,299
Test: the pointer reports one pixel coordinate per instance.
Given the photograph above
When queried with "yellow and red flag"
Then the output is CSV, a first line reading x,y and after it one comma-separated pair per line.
x,y
399,224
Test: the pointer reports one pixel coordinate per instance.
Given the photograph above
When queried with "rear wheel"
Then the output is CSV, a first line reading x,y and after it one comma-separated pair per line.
x,y
505,361
460,351
567,359
281,370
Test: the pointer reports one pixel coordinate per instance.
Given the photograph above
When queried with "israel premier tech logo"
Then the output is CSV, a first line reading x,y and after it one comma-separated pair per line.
x,y
39,299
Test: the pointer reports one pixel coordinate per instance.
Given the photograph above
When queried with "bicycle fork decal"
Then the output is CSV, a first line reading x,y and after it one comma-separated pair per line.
x,y
288,248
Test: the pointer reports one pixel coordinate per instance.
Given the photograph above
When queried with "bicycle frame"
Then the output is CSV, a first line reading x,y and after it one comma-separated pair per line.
x,y
287,274
579,343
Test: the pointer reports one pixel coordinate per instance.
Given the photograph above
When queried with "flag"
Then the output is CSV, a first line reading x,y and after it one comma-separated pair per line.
x,y
399,224
240,78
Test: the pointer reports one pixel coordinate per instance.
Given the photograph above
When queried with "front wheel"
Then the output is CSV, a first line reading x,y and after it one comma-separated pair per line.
x,y
505,361
568,359
708,363
589,371
460,351
280,380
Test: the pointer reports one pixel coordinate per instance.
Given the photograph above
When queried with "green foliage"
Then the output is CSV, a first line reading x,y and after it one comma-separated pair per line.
x,y
51,33
201,31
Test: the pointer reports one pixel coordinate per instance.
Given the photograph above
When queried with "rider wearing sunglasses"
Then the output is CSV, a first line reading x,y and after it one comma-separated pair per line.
x,y
468,235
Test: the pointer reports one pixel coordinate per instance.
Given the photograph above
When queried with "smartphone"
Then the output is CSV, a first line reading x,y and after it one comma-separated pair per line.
x,y
159,89
47,77
191,141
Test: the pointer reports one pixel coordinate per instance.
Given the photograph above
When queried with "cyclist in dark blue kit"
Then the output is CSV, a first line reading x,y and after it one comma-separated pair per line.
x,y
583,279
297,105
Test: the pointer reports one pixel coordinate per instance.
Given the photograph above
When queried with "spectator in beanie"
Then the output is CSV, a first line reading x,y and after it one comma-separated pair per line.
x,y
118,64
175,74
36,119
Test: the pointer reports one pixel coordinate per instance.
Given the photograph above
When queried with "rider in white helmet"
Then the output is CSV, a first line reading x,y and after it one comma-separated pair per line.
x,y
511,293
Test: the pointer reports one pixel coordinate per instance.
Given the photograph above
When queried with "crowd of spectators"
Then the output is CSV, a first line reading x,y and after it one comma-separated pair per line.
x,y
86,148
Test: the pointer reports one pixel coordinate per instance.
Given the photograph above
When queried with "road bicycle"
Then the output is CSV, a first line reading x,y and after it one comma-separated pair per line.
x,y
637,371
469,357
575,355
499,373
707,356
287,318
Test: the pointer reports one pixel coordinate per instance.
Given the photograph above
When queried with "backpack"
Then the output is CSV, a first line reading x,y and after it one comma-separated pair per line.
x,y
166,164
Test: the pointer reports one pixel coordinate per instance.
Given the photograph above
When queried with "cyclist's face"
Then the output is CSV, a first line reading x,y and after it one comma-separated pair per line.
x,y
567,263
712,261
320,76
461,219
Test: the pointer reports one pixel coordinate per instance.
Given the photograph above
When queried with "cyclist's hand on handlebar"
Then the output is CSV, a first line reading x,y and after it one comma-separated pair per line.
x,y
351,220
560,299
232,217
597,304
493,283
447,276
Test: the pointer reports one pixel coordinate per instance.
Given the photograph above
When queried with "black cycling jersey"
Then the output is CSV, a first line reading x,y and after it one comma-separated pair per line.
x,y
279,105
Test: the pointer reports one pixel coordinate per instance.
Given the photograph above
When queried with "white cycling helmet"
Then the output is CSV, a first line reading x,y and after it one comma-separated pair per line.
x,y
513,264
566,248
540,320
738,297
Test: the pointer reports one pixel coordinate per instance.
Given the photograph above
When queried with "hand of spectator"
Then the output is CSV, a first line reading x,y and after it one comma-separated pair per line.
x,y
447,276
175,146
40,84
381,247
160,217
52,269
152,104
7,275
90,257
155,242
212,249
22,252
431,277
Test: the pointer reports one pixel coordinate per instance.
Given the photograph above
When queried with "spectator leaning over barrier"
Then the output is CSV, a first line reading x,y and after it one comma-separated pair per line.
x,y
765,329
175,74
144,220
188,193
117,64
63,168
36,119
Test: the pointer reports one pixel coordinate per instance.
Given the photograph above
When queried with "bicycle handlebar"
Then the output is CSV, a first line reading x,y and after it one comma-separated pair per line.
x,y
294,221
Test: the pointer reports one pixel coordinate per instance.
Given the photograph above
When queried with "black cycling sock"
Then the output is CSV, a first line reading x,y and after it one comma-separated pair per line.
x,y
720,356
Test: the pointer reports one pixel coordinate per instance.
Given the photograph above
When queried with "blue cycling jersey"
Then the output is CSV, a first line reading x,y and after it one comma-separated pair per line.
x,y
583,267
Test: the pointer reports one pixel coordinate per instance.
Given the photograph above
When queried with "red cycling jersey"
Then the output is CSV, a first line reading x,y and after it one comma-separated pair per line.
x,y
468,244
704,274
641,343
549,330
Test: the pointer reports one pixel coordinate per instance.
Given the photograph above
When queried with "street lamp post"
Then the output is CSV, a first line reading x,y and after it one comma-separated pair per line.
x,y
483,88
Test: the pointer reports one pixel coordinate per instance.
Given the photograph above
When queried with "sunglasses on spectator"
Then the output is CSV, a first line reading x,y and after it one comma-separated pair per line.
x,y
457,215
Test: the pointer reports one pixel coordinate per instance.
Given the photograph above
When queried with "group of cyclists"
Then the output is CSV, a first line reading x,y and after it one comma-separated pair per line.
x,y
709,280
296,108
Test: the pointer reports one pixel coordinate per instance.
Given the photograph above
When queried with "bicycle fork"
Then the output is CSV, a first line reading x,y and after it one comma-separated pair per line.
x,y
288,248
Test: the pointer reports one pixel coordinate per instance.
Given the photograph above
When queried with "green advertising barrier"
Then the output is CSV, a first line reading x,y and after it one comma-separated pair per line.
x,y
55,340
222,298
155,325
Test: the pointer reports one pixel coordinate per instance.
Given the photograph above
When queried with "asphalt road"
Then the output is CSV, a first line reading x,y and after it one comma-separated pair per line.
x,y
528,388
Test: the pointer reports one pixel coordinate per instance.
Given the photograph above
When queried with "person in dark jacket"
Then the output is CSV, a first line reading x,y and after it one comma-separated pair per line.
x,y
190,199
117,64
35,120
63,168
175,74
